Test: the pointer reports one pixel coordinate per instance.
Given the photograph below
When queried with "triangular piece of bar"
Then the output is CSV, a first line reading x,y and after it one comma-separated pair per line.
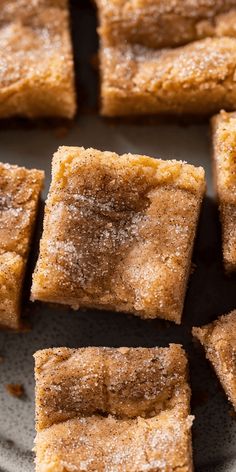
x,y
219,341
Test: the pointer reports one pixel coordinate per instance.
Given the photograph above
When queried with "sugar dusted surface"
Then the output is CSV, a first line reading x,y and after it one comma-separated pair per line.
x,y
106,444
198,78
175,57
108,233
36,65
105,429
224,143
158,23
123,382
219,342
224,162
19,194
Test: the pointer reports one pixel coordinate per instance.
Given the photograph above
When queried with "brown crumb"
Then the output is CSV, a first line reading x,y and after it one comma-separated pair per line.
x,y
16,390
61,131
1,359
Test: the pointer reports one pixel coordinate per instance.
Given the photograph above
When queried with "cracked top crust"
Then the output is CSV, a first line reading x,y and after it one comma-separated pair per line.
x,y
118,232
161,23
219,342
123,382
36,59
103,409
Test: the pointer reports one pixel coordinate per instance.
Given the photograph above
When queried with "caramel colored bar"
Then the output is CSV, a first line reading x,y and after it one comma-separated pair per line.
x,y
219,342
118,233
161,23
19,195
36,73
112,409
196,79
224,145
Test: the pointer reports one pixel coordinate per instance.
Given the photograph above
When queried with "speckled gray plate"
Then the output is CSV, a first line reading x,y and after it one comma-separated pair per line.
x,y
210,293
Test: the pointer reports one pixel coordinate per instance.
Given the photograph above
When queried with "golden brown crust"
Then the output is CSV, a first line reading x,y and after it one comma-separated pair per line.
x,y
198,78
120,445
219,342
36,73
224,166
140,76
108,233
19,195
123,382
124,408
160,24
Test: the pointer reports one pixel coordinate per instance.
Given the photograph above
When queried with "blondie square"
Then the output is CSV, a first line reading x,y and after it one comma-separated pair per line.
x,y
19,195
224,163
219,342
172,58
118,233
161,24
37,72
113,409
195,79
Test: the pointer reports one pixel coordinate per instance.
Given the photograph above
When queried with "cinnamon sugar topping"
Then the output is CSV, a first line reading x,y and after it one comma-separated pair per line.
x,y
118,232
112,409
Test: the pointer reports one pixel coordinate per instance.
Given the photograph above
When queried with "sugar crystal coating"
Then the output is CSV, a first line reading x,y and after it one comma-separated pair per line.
x,y
19,195
172,58
160,24
112,409
198,78
36,64
224,165
118,233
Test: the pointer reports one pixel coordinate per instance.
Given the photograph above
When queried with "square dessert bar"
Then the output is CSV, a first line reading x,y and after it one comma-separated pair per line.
x,y
19,196
219,342
224,163
161,24
37,72
195,79
118,233
173,58
120,409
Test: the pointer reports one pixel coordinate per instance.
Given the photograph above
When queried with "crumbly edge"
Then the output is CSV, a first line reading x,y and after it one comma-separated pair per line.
x,y
223,128
167,172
